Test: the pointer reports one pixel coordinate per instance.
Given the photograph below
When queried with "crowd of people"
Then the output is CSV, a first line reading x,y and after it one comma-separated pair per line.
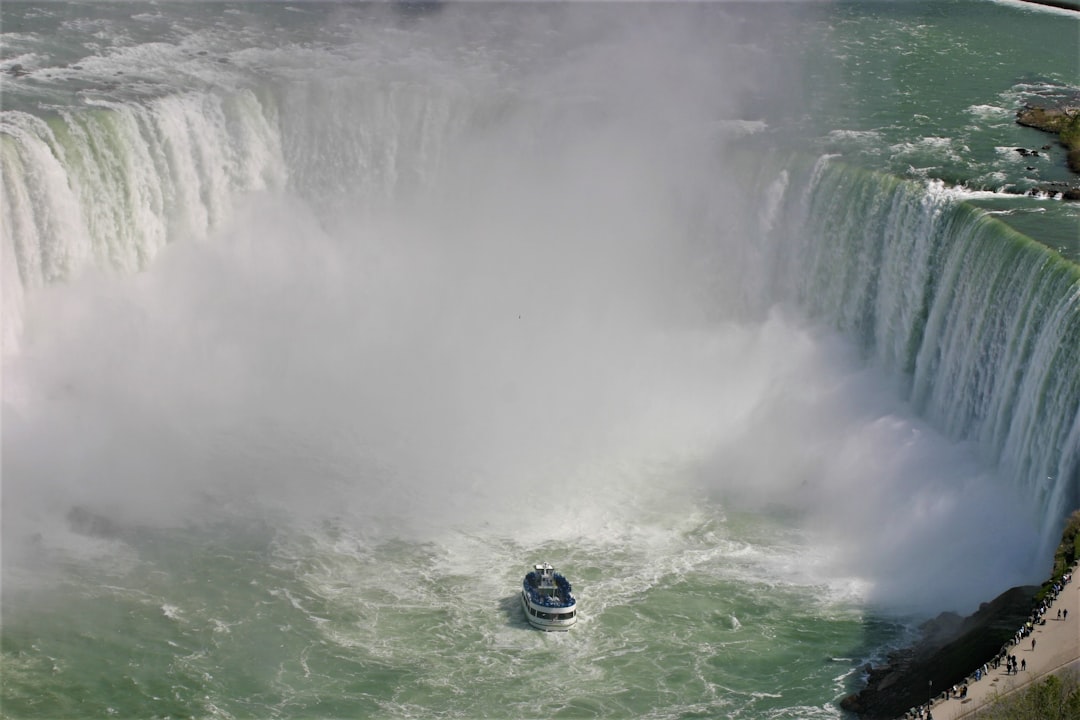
x,y
1037,618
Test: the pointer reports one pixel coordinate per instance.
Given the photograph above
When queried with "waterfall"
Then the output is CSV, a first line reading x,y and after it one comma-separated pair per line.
x,y
110,185
982,322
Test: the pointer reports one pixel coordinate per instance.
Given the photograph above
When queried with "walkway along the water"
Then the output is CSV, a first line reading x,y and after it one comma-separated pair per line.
x,y
1050,648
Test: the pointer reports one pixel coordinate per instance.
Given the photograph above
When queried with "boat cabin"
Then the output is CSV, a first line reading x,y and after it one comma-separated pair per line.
x,y
545,580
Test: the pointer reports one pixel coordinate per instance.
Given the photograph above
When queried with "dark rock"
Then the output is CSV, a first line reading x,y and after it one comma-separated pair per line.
x,y
1062,190
948,650
1063,4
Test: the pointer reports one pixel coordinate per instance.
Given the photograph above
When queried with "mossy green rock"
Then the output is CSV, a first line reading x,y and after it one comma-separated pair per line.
x,y
1063,122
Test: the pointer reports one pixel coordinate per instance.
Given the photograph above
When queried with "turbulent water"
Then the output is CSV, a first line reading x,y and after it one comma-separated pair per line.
x,y
323,322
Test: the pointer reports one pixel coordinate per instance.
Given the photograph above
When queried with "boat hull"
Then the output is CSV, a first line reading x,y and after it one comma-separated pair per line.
x,y
545,617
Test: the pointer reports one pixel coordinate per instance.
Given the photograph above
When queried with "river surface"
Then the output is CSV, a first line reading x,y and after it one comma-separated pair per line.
x,y
324,322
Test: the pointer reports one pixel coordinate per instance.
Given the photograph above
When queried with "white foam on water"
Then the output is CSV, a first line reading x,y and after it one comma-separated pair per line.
x,y
1036,7
987,112
507,336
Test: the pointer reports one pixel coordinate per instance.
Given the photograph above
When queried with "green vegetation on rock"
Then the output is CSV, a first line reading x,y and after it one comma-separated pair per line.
x,y
1056,697
1068,552
1064,122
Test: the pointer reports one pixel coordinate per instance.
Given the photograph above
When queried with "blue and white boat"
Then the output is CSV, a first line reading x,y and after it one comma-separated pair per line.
x,y
547,600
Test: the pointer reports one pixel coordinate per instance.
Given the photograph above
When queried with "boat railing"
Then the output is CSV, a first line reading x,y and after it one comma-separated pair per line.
x,y
562,596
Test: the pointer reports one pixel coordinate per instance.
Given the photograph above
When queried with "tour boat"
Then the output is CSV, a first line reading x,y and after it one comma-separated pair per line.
x,y
546,599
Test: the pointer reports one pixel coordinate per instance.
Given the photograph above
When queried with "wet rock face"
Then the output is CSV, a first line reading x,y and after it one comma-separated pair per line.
x,y
1064,4
949,649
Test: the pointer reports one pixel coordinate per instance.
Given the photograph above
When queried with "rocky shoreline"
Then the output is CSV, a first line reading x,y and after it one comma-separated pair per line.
x,y
950,647
1063,122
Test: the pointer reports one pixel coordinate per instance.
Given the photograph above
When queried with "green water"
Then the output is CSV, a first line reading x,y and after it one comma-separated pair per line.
x,y
274,451
699,616
931,91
